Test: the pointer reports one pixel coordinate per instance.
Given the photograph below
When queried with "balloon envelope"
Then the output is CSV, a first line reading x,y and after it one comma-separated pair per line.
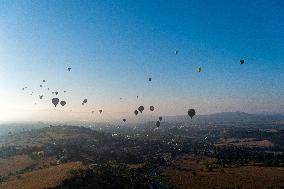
x,y
55,101
141,109
152,108
191,113
136,112
158,123
62,103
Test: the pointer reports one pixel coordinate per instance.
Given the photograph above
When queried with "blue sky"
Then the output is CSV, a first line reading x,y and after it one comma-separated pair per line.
x,y
114,46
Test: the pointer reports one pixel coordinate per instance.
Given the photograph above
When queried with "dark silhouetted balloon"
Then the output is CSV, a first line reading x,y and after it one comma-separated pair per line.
x,y
160,118
40,96
141,109
85,101
56,93
55,101
40,85
242,61
69,69
150,79
152,108
176,51
136,112
43,80
64,91
158,123
199,69
100,111
191,113
63,103
23,88
124,120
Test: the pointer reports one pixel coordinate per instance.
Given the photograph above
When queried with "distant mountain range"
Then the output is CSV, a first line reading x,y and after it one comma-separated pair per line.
x,y
226,117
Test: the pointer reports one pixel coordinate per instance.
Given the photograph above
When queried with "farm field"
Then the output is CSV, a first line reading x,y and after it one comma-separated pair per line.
x,y
42,178
201,172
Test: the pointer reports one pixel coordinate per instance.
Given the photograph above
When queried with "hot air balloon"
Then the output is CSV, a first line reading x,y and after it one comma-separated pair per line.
x,y
158,123
43,80
64,91
141,109
152,108
150,79
199,69
191,113
242,61
100,111
135,112
40,96
55,101
40,85
62,103
160,118
124,120
69,69
85,101
176,51
56,93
